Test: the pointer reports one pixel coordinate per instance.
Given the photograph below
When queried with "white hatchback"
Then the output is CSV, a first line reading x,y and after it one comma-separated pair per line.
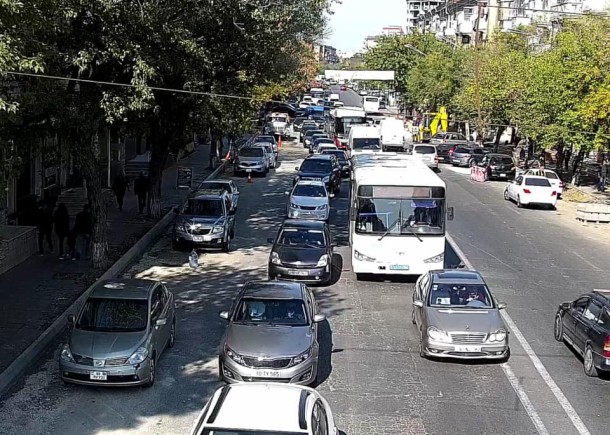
x,y
531,190
269,408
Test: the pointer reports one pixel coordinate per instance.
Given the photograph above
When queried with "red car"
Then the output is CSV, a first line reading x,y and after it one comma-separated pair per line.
x,y
343,88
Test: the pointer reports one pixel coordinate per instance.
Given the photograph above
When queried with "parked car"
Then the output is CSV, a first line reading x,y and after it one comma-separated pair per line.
x,y
298,123
119,334
552,176
228,186
302,251
342,159
458,317
272,334
343,88
528,190
446,144
466,156
427,154
303,411
308,200
584,324
251,160
322,167
207,219
498,166
269,153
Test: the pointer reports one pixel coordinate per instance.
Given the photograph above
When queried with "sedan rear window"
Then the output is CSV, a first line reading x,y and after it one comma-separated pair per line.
x,y
114,315
537,182
424,149
459,295
462,150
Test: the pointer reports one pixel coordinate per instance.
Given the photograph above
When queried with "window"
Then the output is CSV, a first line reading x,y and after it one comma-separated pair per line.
x,y
204,207
288,312
424,149
394,216
365,143
316,165
592,311
156,305
302,237
311,190
542,182
579,305
114,315
477,151
319,421
251,152
460,295
462,150
604,319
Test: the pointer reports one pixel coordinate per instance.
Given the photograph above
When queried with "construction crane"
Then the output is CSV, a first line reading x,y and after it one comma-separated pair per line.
x,y
430,123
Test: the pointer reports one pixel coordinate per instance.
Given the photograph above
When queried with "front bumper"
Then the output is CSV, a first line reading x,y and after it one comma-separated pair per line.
x,y
255,168
320,215
379,267
302,374
305,274
120,376
462,351
208,240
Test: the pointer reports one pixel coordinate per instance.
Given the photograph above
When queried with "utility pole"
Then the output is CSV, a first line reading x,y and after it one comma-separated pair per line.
x,y
477,71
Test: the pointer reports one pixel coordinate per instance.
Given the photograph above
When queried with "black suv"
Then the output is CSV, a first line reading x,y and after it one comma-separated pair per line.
x,y
498,166
206,219
324,167
585,325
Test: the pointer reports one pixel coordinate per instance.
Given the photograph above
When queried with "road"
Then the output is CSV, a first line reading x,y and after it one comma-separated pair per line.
x,y
371,371
348,97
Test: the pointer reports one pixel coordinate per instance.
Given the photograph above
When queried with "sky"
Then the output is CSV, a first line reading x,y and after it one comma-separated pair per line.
x,y
354,20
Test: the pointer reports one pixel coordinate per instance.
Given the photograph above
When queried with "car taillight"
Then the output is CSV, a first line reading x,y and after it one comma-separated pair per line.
x,y
527,191
606,349
337,142
554,193
451,151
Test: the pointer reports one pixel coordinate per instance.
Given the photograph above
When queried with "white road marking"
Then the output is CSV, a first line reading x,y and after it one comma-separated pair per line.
x,y
561,398
587,261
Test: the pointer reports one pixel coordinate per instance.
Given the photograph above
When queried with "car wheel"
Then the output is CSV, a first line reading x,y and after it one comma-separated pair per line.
x,y
172,335
519,202
226,245
176,245
421,346
588,363
413,316
558,328
152,371
506,197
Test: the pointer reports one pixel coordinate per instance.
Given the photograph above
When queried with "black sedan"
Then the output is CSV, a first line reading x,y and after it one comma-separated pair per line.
x,y
302,251
498,166
343,161
321,167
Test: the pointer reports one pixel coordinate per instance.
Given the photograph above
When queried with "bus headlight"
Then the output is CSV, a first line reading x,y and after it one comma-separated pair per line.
x,y
436,259
361,257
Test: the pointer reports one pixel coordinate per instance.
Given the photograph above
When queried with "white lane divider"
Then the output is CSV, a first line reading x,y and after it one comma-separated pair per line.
x,y
546,377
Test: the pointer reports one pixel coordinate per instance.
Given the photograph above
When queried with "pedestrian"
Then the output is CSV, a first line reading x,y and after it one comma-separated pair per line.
x,y
119,187
61,219
541,160
603,176
566,158
44,222
140,188
83,228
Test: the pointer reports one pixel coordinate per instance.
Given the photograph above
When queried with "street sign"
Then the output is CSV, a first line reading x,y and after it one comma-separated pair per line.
x,y
184,179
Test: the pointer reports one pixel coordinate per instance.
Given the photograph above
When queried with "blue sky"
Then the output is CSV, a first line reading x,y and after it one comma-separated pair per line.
x,y
354,20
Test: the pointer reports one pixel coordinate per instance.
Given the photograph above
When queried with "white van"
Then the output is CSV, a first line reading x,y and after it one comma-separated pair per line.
x,y
370,103
333,97
363,139
392,132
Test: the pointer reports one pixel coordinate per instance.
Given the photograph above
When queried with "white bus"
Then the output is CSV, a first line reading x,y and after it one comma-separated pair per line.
x,y
398,213
341,120
370,103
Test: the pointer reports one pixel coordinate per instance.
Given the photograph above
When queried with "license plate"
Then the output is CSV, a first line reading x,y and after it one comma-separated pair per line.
x,y
441,158
197,238
267,374
502,175
248,170
468,349
298,272
98,376
399,267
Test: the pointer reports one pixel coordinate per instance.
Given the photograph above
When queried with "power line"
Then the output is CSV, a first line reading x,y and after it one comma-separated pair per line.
x,y
129,85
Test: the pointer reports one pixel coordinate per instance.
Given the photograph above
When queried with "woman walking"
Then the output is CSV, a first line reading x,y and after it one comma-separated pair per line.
x,y
61,219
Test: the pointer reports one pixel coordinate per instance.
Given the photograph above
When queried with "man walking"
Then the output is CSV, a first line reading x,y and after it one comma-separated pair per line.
x,y
119,187
603,176
140,188
44,222
83,228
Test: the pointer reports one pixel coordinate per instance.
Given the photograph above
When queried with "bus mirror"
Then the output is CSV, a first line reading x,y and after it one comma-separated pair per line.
x,y
450,213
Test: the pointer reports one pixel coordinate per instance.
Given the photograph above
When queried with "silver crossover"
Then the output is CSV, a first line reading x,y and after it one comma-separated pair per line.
x,y
308,199
119,334
457,317
272,334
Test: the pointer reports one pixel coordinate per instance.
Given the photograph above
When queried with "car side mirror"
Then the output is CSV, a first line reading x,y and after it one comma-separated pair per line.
x,y
319,318
161,322
501,305
418,304
270,240
72,319
566,305
450,213
224,315
296,168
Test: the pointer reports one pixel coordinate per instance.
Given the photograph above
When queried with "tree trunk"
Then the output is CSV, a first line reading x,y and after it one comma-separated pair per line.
x,y
97,201
497,138
158,157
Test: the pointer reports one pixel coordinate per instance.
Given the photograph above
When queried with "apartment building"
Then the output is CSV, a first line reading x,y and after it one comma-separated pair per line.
x,y
417,8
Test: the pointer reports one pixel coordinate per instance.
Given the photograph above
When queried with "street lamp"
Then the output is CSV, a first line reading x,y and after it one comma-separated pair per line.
x,y
412,48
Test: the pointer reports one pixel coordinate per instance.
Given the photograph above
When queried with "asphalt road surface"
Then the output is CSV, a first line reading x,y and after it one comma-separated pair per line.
x,y
371,371
348,97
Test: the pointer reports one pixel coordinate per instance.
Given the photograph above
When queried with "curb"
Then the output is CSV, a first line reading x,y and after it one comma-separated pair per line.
x,y
17,368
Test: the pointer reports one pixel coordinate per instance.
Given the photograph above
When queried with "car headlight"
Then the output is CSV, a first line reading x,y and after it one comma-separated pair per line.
x,y
498,336
436,259
361,257
275,258
436,334
66,354
326,179
293,205
138,356
323,261
234,356
217,230
322,207
301,358
262,162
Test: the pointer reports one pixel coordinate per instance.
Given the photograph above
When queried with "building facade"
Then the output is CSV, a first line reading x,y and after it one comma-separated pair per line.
x,y
416,8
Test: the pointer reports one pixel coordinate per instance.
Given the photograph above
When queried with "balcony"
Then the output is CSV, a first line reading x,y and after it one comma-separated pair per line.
x,y
465,27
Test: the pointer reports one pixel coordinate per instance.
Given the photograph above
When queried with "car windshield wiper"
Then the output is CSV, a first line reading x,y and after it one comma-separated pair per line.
x,y
410,230
389,229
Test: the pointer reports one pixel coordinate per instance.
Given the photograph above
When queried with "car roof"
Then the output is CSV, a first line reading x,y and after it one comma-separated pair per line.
x,y
272,407
303,223
320,157
454,276
274,289
207,194
123,289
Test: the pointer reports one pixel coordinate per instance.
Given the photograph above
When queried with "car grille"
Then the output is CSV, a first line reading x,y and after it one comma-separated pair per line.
x,y
305,207
247,164
281,363
86,361
312,178
199,231
468,337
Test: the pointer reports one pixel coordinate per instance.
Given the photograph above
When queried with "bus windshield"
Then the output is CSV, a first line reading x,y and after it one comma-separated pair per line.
x,y
342,125
400,216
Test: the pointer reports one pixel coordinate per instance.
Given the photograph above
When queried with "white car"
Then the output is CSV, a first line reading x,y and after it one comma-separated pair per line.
x,y
305,104
338,104
363,93
308,199
269,152
551,176
530,190
325,146
427,154
269,408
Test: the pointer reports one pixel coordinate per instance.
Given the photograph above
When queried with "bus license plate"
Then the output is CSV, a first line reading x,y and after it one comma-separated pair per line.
x,y
267,374
399,267
98,376
468,349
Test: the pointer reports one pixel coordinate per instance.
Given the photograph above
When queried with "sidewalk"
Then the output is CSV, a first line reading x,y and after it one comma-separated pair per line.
x,y
37,291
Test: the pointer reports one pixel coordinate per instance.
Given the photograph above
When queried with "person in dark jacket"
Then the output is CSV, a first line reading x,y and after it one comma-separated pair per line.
x,y
61,219
83,228
119,187
44,222
140,188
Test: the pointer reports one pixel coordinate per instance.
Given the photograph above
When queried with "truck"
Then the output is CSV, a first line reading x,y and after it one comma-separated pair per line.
x,y
278,124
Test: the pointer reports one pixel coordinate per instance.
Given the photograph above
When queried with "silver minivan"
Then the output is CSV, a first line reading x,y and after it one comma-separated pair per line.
x,y
427,154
